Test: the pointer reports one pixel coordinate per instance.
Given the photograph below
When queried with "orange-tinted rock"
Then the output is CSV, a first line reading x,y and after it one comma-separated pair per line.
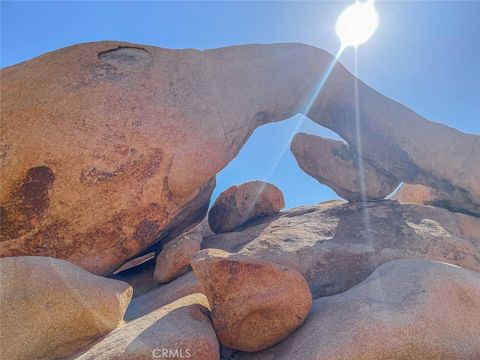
x,y
255,304
238,204
175,257
336,165
107,147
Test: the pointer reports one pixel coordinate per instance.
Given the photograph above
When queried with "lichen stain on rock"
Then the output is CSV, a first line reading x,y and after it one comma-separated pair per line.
x,y
28,204
34,191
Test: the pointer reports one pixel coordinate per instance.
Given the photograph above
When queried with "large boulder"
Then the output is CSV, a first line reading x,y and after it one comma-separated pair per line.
x,y
175,257
255,304
338,166
406,309
335,245
181,329
238,204
107,147
50,308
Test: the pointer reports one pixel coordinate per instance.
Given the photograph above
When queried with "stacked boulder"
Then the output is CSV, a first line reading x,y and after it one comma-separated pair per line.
x,y
255,304
338,166
238,204
108,146
108,155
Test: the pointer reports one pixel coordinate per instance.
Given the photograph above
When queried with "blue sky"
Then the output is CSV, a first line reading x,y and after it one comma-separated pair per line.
x,y
425,54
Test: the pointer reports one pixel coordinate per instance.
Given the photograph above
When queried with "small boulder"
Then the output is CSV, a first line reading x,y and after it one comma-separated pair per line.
x,y
51,308
175,257
336,165
181,329
255,304
238,204
406,309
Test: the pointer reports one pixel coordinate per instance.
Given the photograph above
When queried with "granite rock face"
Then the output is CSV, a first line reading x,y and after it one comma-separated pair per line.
x,y
255,304
108,147
336,245
238,204
336,165
51,308
406,309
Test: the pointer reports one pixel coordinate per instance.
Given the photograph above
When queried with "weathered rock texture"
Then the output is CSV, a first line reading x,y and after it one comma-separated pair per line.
x,y
336,245
175,257
51,308
338,166
238,204
183,329
405,310
255,304
107,147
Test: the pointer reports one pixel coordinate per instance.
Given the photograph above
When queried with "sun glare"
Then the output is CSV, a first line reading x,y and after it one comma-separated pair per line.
x,y
357,23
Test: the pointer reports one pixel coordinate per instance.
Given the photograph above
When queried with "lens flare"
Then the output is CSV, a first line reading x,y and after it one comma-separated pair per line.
x,y
357,23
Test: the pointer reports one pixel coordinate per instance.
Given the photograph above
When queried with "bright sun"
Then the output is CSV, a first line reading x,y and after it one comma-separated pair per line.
x,y
357,23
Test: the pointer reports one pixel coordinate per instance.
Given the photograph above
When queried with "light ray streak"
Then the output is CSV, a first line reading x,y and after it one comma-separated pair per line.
x,y
306,109
304,113
364,205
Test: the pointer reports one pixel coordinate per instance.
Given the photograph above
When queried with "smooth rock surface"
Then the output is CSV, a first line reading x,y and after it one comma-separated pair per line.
x,y
107,147
175,257
255,304
183,329
51,308
336,245
238,204
406,309
162,295
338,166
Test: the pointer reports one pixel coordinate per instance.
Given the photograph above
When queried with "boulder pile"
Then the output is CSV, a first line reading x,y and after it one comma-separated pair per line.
x,y
108,147
406,309
108,156
336,245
